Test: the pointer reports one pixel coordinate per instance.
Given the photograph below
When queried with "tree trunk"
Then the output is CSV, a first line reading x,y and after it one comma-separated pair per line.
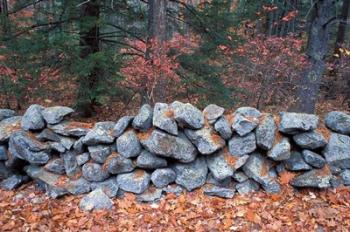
x,y
4,18
317,48
342,26
89,41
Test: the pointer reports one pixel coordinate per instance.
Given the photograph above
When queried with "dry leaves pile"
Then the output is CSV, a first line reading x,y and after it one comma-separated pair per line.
x,y
28,209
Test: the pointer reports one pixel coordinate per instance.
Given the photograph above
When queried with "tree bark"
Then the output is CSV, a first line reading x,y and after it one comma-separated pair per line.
x,y
317,48
4,18
342,26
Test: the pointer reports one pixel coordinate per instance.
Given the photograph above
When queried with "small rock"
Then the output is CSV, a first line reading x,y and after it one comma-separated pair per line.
x,y
293,123
143,120
79,145
345,175
244,125
94,172
121,125
55,166
212,190
128,145
310,140
13,182
55,146
317,178
227,182
187,115
67,142
3,153
102,132
67,128
70,164
148,160
247,187
162,177
280,151
135,182
9,126
83,158
296,162
313,159
163,118
55,114
110,186
150,195
265,132
240,146
78,186
6,113
97,200
173,188
212,112
117,164
5,171
337,152
248,112
191,175
48,135
338,122
223,127
32,118
206,140
240,177
99,153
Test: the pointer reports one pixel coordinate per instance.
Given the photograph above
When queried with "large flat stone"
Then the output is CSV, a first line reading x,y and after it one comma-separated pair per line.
x,y
337,152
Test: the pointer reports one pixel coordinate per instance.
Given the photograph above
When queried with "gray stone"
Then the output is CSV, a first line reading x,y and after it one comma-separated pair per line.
x,y
96,200
48,135
83,158
187,115
223,127
265,132
162,144
212,112
337,152
148,160
240,146
191,175
128,145
222,164
109,187
173,188
94,172
70,164
121,125
206,140
162,177
293,123
248,112
163,118
55,166
67,142
3,153
79,145
313,159
55,146
135,182
247,187
240,177
5,171
6,113
227,182
67,128
280,168
78,186
150,195
280,151
99,153
9,126
212,190
244,125
24,146
296,162
13,182
117,164
261,170
143,120
338,122
32,118
317,178
310,140
55,114
102,132
345,175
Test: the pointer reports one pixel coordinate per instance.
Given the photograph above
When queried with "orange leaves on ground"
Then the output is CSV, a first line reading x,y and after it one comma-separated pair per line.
x,y
286,177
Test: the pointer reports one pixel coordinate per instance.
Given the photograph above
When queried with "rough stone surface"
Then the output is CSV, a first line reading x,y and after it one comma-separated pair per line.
x,y
6,113
3,153
48,135
337,151
83,158
265,132
76,129
191,175
247,111
261,170
13,182
143,120
345,175
212,190
227,182
313,159
9,126
121,125
147,160
280,151
55,114
244,125
94,172
135,182
162,144
70,164
293,123
150,195
128,145
102,132
223,127
317,178
212,112
247,187
187,115
97,200
99,153
206,140
117,164
296,162
163,118
109,187
338,122
240,146
310,140
55,166
78,186
32,118
162,177
240,177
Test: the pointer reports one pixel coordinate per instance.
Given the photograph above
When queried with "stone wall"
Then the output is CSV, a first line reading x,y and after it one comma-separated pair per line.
x,y
170,148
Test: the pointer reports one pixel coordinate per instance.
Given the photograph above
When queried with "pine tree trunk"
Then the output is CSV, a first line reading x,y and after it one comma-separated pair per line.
x,y
342,25
317,48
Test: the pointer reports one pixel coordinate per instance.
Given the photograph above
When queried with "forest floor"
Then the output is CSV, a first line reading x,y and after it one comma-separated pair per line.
x,y
29,209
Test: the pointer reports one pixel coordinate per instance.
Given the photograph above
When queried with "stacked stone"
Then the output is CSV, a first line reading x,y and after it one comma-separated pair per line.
x,y
170,148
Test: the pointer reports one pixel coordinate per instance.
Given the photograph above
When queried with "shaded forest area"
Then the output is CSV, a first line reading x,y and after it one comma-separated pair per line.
x,y
106,57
